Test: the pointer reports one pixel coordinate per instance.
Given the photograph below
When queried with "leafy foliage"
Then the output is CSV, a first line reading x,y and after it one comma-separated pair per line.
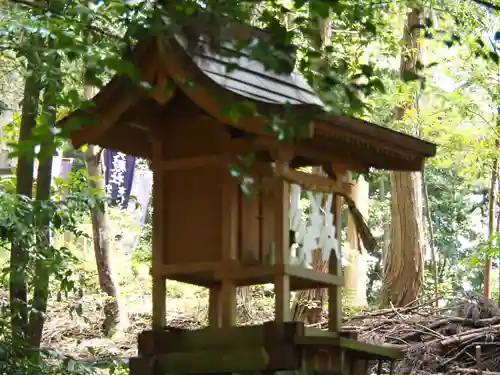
x,y
348,50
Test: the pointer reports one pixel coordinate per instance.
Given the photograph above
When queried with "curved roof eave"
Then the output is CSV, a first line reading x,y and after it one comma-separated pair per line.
x,y
206,90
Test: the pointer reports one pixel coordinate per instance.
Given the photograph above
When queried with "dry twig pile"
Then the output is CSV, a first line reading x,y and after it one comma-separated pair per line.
x,y
461,336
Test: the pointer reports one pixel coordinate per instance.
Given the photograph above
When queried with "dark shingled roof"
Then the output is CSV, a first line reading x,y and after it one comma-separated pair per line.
x,y
245,78
242,75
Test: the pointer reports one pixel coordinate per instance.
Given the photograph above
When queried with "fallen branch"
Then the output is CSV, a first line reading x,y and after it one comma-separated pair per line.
x,y
461,370
464,336
433,342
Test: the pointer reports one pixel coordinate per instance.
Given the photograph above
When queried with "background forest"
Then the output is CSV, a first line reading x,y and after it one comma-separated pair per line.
x,y
76,291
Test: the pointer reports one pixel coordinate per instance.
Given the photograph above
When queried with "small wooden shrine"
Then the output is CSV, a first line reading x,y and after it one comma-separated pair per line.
x,y
207,232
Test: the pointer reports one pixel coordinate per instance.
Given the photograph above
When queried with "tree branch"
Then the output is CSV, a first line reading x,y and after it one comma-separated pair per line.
x,y
40,6
487,4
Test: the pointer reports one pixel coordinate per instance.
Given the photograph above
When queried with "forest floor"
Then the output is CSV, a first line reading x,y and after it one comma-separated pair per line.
x,y
463,337
81,336
453,334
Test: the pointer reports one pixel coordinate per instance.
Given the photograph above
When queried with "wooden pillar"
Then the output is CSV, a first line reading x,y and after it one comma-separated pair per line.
x,y
335,263
282,245
214,307
159,282
227,295
355,271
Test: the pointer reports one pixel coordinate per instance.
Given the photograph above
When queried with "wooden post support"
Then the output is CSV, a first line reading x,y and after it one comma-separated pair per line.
x,y
282,245
159,282
335,263
354,285
227,294
214,311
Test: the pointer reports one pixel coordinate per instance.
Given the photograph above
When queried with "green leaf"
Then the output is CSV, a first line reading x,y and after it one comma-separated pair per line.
x,y
90,78
57,221
189,82
367,70
322,9
378,84
448,43
493,56
297,4
371,28
231,67
409,76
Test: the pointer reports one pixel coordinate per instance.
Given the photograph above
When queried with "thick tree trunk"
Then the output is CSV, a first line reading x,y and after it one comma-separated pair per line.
x,y
355,273
24,175
404,260
43,187
403,264
115,314
244,303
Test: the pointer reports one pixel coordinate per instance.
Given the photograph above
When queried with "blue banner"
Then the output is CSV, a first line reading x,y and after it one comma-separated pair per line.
x,y
118,176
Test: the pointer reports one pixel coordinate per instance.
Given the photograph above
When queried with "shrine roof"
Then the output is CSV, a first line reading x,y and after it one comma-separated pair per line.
x,y
244,76
202,80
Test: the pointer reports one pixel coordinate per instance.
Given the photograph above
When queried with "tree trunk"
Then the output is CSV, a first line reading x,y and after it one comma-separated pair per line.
x,y
24,175
491,227
404,260
115,314
43,190
355,273
244,303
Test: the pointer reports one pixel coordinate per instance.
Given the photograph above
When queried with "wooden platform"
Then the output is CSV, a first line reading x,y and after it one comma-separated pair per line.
x,y
269,347
212,273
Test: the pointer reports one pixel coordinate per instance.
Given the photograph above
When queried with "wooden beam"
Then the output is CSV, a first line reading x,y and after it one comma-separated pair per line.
x,y
106,118
167,270
315,150
335,262
314,182
194,162
312,149
164,88
398,142
401,151
214,306
282,241
110,111
215,361
233,148
371,351
159,282
229,235
136,142
300,278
